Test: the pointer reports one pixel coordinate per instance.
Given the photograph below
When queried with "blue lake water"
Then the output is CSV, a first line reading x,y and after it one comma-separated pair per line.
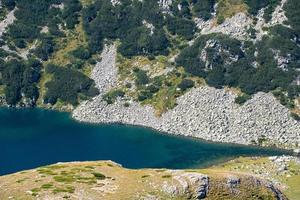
x,y
33,137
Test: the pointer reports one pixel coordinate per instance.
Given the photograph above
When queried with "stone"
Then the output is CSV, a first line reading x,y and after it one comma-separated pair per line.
x,y
233,181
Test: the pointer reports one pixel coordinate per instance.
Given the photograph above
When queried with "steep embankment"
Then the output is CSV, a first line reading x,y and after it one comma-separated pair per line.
x,y
108,180
204,112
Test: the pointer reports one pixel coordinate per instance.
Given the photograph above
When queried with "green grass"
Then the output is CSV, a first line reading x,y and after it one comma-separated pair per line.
x,y
228,8
21,180
67,189
89,167
35,190
46,186
45,77
293,182
86,2
167,176
64,179
46,171
99,176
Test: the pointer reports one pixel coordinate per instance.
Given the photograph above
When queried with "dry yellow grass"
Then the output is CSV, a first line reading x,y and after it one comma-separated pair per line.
x,y
106,180
42,88
86,2
73,40
228,8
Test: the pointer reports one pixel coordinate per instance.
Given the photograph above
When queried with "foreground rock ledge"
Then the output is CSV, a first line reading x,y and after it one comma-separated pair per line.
x,y
107,180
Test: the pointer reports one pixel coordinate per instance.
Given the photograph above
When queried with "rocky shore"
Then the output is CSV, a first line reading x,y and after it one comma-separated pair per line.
x,y
204,112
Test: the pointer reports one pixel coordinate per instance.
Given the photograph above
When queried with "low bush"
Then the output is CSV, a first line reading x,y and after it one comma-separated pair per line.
x,y
186,84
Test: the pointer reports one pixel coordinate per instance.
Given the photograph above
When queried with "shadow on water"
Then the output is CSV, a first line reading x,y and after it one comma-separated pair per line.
x,y
32,137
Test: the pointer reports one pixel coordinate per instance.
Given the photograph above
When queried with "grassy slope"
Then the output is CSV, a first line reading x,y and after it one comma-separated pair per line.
x,y
62,57
107,180
158,68
228,8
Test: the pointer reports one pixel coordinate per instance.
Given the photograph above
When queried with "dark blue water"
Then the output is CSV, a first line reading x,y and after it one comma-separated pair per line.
x,y
32,138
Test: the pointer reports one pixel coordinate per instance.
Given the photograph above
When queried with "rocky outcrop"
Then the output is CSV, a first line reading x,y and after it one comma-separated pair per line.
x,y
115,2
278,16
281,163
165,5
10,18
235,26
194,184
238,25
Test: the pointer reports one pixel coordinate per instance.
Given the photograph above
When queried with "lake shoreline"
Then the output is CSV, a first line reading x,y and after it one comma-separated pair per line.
x,y
160,132
48,137
289,151
97,111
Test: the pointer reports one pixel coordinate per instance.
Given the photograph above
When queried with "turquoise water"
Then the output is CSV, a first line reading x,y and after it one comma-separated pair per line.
x,y
32,137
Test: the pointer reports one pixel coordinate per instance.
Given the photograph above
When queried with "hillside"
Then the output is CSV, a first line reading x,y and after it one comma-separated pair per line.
x,y
108,180
219,70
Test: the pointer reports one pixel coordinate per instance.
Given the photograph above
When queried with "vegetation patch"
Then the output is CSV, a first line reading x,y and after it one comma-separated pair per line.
x,y
241,99
154,82
167,176
65,178
112,95
228,8
67,84
223,71
99,176
47,186
67,189
46,171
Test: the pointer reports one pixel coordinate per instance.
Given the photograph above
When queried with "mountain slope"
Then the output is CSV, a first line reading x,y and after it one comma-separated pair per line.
x,y
164,52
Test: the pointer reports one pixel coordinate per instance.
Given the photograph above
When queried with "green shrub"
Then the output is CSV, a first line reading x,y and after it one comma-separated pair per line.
x,y
203,8
99,176
81,53
242,99
220,19
186,84
47,186
67,84
141,78
152,88
111,96
64,179
182,27
9,4
144,94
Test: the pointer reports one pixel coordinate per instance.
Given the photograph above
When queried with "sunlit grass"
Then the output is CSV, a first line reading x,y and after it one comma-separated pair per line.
x,y
228,8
